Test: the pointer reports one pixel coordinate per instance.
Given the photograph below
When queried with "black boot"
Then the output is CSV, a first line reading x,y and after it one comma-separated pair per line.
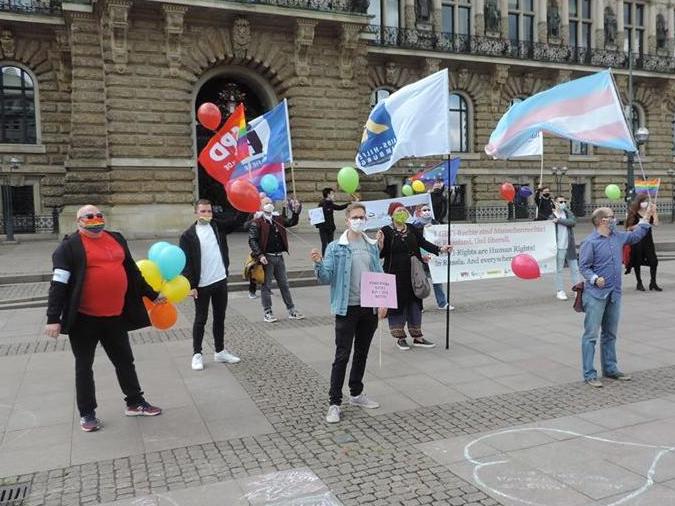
x,y
655,287
638,278
652,283
640,286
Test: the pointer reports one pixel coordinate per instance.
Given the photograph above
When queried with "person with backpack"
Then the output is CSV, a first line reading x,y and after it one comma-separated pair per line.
x,y
400,245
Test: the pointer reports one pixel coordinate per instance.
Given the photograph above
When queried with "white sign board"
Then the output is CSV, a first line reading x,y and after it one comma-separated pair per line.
x,y
316,216
484,251
376,210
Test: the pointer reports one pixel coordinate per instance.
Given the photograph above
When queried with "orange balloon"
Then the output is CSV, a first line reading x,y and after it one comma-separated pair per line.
x,y
163,316
149,305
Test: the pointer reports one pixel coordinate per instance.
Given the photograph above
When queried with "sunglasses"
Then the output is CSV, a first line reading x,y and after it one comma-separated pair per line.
x,y
561,201
91,216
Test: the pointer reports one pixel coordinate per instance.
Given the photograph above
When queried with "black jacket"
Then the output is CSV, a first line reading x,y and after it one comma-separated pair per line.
x,y
328,207
189,243
439,203
544,206
259,232
64,298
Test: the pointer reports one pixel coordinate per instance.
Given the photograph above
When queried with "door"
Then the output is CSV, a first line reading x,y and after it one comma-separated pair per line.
x,y
23,208
458,203
578,204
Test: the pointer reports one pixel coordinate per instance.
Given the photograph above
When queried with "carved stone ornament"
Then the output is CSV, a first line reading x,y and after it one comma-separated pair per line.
x,y
422,11
661,31
304,37
118,13
499,77
173,29
241,36
610,27
493,17
61,59
463,78
7,43
553,20
528,83
431,66
392,73
349,38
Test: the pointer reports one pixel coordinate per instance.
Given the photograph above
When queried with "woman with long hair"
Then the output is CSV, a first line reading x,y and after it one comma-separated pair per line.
x,y
644,252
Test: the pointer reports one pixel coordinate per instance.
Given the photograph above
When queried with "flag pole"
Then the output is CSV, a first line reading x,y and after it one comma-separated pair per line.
x,y
293,178
447,273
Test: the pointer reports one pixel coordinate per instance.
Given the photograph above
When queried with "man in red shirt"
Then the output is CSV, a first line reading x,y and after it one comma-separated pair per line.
x,y
96,295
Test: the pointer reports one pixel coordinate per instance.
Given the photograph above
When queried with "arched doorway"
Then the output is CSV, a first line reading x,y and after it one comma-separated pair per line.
x,y
226,88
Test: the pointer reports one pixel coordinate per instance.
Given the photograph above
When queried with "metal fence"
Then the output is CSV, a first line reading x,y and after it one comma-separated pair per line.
x,y
33,223
387,36
32,6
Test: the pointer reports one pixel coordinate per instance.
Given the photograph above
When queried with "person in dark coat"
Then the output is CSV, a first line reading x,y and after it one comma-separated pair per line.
x,y
439,202
544,202
398,243
96,295
327,228
644,252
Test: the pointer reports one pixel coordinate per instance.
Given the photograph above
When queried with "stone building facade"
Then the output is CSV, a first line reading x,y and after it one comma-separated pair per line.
x,y
115,85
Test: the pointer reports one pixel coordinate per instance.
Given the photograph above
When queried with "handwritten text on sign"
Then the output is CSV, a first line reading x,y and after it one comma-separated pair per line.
x,y
378,290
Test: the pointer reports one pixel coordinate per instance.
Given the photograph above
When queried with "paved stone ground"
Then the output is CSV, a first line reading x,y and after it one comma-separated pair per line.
x,y
513,364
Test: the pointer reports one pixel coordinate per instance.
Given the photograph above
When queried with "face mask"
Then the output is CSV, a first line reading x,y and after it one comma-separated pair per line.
x,y
562,206
330,197
612,224
95,225
357,225
400,217
268,208
643,205
425,214
204,220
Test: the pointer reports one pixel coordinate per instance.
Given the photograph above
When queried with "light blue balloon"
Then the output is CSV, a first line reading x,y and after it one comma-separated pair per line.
x,y
156,250
269,183
171,262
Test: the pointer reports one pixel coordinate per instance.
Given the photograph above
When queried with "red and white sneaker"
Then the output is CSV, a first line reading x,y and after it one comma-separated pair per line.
x,y
143,409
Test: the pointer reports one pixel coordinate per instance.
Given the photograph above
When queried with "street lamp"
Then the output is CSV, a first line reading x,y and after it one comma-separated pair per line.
x,y
9,179
558,173
641,136
671,174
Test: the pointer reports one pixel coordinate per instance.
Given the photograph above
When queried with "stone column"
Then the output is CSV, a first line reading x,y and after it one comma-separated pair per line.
x,y
408,14
504,8
598,25
618,10
650,28
478,23
564,22
87,174
542,25
670,44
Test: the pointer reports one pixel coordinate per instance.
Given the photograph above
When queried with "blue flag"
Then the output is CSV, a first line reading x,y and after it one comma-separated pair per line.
x,y
445,171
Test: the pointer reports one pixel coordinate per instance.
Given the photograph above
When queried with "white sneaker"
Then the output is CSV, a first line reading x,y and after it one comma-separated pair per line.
x,y
333,415
225,357
252,295
296,315
363,401
447,306
197,362
561,295
269,317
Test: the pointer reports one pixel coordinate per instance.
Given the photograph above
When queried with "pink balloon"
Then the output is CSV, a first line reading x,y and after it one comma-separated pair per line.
x,y
525,266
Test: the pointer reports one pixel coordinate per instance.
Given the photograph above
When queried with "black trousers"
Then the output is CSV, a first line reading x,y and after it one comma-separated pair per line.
x,y
85,334
326,238
215,293
357,326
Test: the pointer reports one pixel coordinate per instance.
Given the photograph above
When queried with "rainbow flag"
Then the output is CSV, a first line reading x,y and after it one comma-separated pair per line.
x,y
649,186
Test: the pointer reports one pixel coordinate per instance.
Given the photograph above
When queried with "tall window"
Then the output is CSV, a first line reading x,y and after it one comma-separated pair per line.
x,y
634,27
521,20
385,12
578,148
459,123
17,106
581,23
378,95
456,17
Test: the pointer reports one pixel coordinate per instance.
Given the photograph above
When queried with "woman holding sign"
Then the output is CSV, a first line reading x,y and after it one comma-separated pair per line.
x,y
400,246
353,254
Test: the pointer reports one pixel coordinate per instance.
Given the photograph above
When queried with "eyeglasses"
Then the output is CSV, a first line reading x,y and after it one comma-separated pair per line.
x,y
362,218
91,216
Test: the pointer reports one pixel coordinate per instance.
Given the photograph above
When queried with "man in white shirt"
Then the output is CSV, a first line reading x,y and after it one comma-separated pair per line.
x,y
207,260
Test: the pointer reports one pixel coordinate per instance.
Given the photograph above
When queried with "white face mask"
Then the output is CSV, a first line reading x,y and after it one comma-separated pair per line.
x,y
643,205
268,208
425,214
357,225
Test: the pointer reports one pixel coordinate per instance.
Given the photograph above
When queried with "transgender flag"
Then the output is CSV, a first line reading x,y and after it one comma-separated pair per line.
x,y
585,110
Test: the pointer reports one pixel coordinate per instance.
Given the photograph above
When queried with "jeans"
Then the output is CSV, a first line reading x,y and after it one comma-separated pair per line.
x,y
411,314
560,264
357,326
277,268
326,237
84,336
601,315
216,293
439,293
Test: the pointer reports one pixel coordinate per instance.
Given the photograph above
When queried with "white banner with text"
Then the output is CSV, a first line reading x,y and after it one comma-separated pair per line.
x,y
485,250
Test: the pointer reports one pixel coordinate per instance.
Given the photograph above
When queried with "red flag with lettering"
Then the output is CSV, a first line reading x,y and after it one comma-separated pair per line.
x,y
224,150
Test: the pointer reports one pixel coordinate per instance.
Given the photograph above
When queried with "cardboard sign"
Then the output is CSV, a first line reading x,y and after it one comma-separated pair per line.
x,y
316,216
378,290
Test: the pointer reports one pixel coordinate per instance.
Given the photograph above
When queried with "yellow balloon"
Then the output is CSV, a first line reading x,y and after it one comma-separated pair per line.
x,y
151,274
418,186
176,289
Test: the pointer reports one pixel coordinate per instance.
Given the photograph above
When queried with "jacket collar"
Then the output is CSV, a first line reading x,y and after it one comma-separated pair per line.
x,y
343,241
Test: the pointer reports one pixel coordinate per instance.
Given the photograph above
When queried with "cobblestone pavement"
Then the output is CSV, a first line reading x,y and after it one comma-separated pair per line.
x,y
365,459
